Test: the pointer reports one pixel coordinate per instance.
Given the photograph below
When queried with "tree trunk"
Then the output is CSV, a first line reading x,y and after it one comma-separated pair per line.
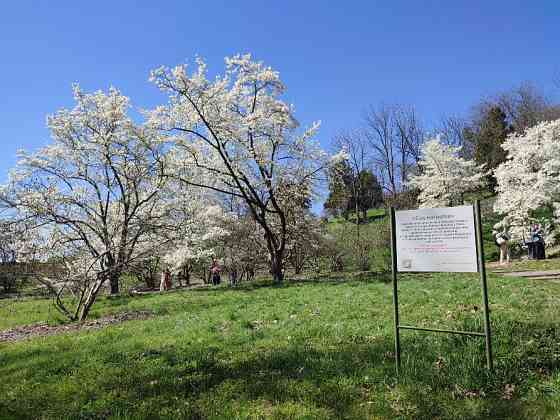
x,y
114,282
188,275
90,299
276,267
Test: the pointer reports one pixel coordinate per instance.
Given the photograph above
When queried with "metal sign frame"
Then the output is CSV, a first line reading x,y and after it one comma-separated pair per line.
x,y
481,270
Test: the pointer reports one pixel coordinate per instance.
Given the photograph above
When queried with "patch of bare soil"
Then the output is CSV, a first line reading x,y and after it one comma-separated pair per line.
x,y
42,330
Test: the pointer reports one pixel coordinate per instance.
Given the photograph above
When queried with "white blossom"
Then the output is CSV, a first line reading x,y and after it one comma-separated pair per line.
x,y
98,189
236,136
530,177
445,176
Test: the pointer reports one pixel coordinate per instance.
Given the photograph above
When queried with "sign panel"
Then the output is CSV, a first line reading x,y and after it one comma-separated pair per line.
x,y
440,239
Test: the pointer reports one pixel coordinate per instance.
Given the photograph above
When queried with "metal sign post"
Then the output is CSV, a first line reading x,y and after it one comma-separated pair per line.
x,y
395,290
481,270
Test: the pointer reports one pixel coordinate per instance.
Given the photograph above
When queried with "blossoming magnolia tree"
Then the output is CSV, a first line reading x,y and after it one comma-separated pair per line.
x,y
445,176
241,137
97,189
198,222
16,246
243,248
530,177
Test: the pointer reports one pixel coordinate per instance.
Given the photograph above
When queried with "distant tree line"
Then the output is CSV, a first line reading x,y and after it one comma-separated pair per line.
x,y
386,151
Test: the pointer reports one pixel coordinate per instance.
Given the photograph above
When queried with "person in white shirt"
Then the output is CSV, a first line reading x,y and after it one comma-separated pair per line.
x,y
502,239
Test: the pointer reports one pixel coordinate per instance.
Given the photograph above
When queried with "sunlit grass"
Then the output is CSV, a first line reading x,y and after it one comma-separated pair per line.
x,y
531,265
304,350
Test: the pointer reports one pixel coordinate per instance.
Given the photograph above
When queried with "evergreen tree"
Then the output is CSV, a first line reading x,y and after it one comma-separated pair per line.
x,y
350,192
488,139
368,195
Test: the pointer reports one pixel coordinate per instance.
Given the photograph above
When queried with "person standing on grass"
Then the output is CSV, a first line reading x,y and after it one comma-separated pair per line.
x,y
168,283
502,238
537,238
215,272
162,283
165,283
233,275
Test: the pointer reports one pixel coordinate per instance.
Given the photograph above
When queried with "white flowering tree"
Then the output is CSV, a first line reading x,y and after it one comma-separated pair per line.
x,y
16,247
8,242
305,236
199,228
445,176
241,138
530,177
97,189
244,247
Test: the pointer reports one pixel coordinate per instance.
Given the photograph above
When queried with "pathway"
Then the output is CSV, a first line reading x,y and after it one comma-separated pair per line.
x,y
553,275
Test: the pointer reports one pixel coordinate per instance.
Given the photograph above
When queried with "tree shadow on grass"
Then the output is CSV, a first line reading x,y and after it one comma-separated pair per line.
x,y
335,376
277,375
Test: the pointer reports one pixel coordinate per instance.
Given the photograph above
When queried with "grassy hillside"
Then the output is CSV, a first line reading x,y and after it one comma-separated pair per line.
x,y
373,236
377,217
304,350
372,214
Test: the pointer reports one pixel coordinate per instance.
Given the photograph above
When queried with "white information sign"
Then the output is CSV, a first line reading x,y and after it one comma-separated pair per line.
x,y
441,239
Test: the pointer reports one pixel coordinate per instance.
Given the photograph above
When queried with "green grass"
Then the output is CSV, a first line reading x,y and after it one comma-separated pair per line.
x,y
24,311
304,350
531,265
372,214
371,235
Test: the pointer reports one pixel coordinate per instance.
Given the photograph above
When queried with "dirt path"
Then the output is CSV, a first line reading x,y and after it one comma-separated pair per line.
x,y
42,330
553,275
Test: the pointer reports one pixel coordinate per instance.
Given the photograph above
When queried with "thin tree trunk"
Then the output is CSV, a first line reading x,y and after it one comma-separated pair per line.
x,y
276,268
90,299
188,276
114,282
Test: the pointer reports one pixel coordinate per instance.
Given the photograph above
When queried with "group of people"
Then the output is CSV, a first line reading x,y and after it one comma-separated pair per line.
x,y
215,269
165,283
535,243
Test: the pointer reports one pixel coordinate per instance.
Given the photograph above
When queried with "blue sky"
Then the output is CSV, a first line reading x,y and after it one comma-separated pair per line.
x,y
335,57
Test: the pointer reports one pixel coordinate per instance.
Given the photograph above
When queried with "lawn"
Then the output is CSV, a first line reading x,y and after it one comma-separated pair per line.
x,y
371,214
303,350
552,264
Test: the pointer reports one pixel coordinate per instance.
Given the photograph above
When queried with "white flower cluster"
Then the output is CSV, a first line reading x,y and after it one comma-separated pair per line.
x,y
112,192
530,178
445,177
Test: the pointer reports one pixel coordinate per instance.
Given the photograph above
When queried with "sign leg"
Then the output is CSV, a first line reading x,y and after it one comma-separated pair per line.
x,y
482,271
395,290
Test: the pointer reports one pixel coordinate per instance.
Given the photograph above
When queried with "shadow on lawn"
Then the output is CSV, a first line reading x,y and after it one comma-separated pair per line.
x,y
162,374
331,377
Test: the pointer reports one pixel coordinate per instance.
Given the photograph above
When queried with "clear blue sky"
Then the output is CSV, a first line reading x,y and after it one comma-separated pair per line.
x,y
336,57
